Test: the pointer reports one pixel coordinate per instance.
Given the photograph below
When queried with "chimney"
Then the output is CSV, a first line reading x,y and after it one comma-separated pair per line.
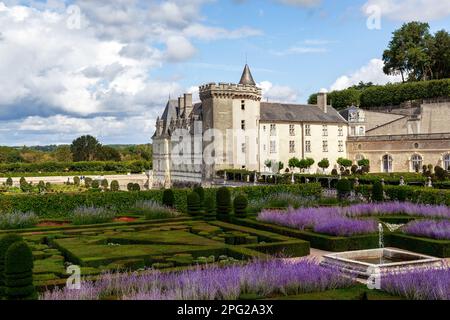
x,y
188,103
322,101
180,105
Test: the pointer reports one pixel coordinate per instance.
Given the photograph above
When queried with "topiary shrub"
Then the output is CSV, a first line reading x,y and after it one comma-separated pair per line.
x,y
344,188
194,207
105,184
240,206
223,202
440,173
5,243
76,181
136,187
95,185
168,198
210,208
88,182
9,182
114,186
19,272
377,191
201,193
334,172
130,186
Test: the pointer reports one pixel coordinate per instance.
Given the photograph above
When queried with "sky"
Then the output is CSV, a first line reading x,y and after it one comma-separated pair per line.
x,y
107,68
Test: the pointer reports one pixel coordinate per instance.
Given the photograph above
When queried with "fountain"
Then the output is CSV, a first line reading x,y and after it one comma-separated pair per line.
x,y
375,262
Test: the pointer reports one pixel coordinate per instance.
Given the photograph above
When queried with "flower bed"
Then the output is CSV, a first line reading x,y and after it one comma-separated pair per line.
x,y
392,208
429,284
321,220
429,228
259,278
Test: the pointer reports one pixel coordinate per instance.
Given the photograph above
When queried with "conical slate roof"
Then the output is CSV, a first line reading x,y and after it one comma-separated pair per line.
x,y
247,77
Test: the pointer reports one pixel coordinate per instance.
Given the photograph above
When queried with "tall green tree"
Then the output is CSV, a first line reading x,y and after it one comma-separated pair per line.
x,y
408,53
440,55
85,148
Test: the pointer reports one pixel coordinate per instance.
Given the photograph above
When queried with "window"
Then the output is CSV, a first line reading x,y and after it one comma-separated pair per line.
x,y
307,130
307,146
291,146
447,162
387,163
353,131
325,146
264,147
341,146
243,124
325,131
264,128
416,162
361,131
273,147
291,130
273,129
243,148
243,105
341,131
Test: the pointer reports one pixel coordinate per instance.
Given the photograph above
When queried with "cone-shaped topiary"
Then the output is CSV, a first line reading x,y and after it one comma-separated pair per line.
x,y
193,204
201,193
210,208
377,191
223,202
168,199
114,185
19,272
343,187
5,243
240,206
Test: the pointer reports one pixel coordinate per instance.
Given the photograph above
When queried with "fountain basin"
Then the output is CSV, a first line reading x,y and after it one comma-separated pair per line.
x,y
366,263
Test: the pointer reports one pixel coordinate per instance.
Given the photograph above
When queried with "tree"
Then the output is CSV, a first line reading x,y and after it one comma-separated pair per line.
x,y
240,204
63,153
85,148
9,182
408,52
115,186
344,162
280,166
294,163
309,162
5,242
106,153
440,55
168,198
268,164
324,164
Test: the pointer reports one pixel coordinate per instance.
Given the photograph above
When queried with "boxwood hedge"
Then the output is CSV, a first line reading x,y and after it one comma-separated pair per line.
x,y
60,205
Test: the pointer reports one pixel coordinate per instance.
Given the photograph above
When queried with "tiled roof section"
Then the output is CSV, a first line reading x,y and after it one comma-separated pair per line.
x,y
298,113
170,112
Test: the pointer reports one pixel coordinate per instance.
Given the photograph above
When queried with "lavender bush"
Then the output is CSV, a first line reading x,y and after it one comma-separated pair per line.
x,y
91,215
263,278
424,284
153,210
388,208
429,229
18,220
322,220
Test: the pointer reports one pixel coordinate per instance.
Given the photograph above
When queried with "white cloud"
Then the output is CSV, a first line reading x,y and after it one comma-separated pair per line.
x,y
411,10
277,93
103,73
372,72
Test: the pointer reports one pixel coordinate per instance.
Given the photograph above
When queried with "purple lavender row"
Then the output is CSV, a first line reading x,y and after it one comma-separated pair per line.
x,y
424,284
429,228
262,278
321,220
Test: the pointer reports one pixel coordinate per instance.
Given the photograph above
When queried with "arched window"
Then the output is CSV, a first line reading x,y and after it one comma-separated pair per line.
x,y
447,162
387,163
361,131
416,162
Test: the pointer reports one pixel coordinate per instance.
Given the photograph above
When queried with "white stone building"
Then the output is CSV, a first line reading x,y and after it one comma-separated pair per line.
x,y
247,133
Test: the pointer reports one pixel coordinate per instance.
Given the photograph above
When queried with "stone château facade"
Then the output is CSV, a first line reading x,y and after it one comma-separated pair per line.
x,y
235,126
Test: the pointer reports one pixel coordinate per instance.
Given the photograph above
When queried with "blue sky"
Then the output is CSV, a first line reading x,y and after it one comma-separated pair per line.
x,y
106,68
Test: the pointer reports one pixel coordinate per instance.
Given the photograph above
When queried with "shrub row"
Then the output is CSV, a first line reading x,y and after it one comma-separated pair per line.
x,y
411,194
319,241
432,247
60,205
85,166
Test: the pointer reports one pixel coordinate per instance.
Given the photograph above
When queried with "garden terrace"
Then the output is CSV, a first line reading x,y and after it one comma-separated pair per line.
x,y
160,244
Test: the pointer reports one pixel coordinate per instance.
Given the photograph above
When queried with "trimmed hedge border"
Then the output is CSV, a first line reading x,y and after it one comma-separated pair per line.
x,y
60,205
316,240
412,194
432,247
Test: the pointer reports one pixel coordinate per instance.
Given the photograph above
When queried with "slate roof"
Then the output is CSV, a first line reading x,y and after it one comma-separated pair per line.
x,y
298,113
247,78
